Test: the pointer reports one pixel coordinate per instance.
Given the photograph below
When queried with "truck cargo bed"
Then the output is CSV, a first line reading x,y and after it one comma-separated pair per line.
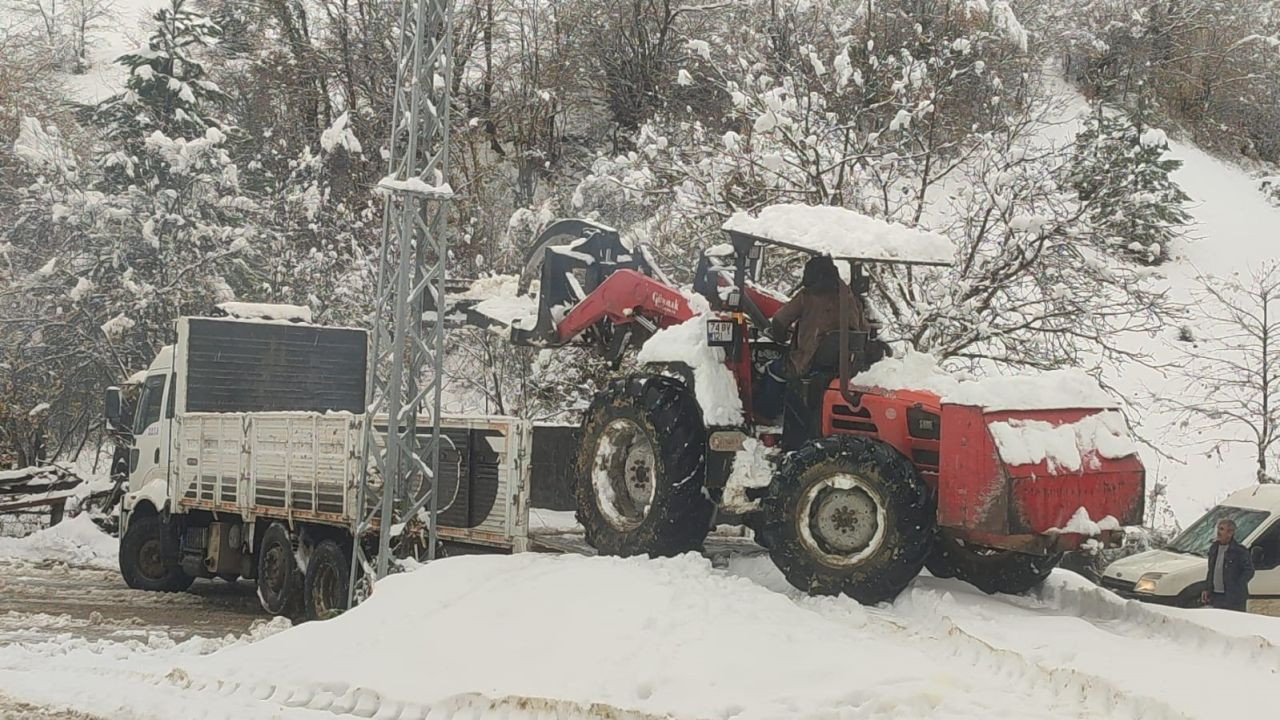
x,y
294,465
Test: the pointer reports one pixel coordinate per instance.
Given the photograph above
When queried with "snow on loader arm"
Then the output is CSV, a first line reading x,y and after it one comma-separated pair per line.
x,y
900,467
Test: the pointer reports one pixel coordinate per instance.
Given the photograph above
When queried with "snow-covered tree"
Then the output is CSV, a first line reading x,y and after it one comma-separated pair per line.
x,y
1231,392
104,252
1123,171
167,93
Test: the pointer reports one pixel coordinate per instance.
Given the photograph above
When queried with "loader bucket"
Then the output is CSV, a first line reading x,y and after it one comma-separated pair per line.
x,y
1020,479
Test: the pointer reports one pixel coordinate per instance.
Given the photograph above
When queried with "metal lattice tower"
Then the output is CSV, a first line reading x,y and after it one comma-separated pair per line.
x,y
407,360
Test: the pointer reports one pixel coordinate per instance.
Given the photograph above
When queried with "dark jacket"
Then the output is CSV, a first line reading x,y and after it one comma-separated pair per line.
x,y
816,315
1237,571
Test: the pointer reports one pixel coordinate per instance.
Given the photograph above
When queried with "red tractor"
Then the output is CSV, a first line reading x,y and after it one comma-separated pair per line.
x,y
889,481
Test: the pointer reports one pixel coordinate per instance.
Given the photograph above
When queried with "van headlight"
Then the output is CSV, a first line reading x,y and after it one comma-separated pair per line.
x,y
1147,583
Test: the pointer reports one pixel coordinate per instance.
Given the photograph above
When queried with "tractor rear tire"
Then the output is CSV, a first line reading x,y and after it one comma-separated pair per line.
x,y
149,556
279,579
849,514
988,569
641,468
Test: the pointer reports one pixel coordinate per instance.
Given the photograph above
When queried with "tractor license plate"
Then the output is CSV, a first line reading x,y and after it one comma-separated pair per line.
x,y
720,332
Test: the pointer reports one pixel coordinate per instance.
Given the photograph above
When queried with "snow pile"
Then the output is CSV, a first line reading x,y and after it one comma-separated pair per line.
x,y
500,299
416,186
1082,524
1057,389
41,149
713,383
339,135
1065,447
843,233
266,311
75,541
751,469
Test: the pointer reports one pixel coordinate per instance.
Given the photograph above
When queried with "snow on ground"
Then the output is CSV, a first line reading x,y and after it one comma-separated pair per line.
x,y
76,540
124,32
536,635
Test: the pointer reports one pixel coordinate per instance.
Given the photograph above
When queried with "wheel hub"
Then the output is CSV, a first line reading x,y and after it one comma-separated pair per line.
x,y
841,520
326,591
273,568
624,475
151,559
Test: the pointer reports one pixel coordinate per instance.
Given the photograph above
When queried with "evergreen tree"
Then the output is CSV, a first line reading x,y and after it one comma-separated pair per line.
x,y
1121,171
167,91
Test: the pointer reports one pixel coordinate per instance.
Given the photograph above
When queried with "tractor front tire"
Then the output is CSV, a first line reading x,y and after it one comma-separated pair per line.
x,y
149,556
988,569
849,514
641,468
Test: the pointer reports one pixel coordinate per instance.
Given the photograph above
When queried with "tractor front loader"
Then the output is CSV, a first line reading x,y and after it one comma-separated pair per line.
x,y
890,479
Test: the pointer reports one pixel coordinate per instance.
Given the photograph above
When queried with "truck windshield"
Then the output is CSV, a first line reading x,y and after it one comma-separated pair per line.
x,y
1195,539
149,404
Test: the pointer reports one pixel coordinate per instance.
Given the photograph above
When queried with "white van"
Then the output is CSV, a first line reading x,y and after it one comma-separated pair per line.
x,y
1175,575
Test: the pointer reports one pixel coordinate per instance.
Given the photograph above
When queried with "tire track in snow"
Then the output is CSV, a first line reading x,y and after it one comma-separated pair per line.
x,y
1098,646
1136,620
1084,693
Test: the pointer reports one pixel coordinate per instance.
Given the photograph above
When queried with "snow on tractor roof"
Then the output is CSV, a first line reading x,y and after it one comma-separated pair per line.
x,y
1054,390
843,234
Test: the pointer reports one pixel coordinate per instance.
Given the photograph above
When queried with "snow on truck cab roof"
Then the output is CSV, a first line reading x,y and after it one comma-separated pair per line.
x,y
842,234
1255,497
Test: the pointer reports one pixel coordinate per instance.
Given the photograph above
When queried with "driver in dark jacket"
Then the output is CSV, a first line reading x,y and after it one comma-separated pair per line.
x,y
1230,570
815,311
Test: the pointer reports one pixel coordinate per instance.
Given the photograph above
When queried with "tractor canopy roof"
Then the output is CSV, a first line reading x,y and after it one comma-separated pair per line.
x,y
842,234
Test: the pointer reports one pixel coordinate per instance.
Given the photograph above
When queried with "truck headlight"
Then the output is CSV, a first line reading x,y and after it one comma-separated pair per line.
x,y
1147,583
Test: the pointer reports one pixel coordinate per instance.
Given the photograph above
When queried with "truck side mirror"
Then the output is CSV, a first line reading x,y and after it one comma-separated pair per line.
x,y
111,405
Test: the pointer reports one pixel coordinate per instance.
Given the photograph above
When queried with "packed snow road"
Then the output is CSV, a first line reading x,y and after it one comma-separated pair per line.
x,y
544,636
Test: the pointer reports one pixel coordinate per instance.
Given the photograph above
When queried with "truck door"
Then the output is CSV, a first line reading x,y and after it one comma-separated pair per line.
x,y
1266,569
149,458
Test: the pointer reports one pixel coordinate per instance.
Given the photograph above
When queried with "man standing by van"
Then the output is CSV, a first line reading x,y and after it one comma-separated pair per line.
x,y
1230,570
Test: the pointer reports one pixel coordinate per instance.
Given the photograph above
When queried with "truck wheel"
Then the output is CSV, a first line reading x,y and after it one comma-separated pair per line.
x,y
851,515
641,467
149,557
989,569
327,581
279,581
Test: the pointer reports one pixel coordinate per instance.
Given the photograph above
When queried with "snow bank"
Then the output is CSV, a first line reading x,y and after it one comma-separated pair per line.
x,y
75,541
1057,389
277,312
713,383
609,637
1067,446
843,233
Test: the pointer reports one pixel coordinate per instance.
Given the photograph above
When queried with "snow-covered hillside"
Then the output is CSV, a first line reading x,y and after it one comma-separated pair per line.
x,y
1234,229
537,636
123,32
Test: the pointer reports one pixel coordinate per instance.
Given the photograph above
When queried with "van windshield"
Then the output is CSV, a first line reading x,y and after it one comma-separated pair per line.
x,y
1195,540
